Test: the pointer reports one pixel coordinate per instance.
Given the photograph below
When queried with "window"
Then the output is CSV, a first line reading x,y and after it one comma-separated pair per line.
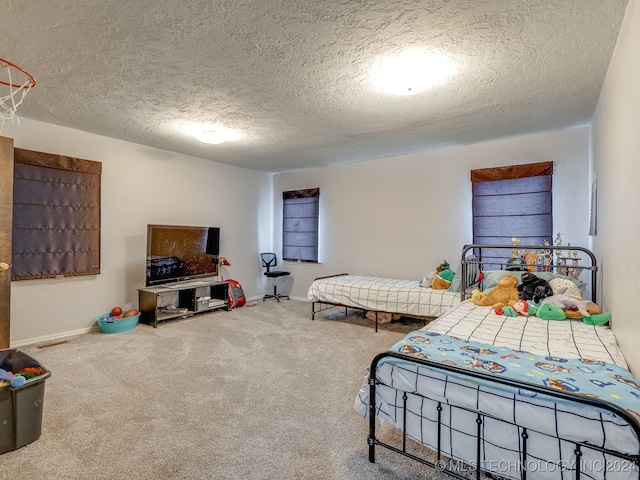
x,y
510,202
56,216
300,224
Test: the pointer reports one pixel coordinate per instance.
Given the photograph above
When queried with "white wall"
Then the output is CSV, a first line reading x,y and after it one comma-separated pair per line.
x,y
616,154
400,217
140,186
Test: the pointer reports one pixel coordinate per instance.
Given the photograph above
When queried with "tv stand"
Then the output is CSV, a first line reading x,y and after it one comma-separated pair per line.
x,y
181,300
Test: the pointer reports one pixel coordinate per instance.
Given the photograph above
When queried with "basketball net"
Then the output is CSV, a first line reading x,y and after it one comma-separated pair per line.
x,y
15,83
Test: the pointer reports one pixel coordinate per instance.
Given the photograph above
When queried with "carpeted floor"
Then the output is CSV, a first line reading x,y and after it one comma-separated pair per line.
x,y
261,392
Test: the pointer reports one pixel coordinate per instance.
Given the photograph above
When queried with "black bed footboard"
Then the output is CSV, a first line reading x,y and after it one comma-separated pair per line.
x,y
573,459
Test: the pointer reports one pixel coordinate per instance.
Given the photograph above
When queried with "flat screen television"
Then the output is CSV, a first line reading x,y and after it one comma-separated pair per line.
x,y
177,253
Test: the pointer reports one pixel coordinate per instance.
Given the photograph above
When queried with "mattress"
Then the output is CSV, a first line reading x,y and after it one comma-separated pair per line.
x,y
383,295
553,426
569,339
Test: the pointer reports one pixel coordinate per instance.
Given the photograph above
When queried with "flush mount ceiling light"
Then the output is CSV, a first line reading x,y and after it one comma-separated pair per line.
x,y
411,71
210,133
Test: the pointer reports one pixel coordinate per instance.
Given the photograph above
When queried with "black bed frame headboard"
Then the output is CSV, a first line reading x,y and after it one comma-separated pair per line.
x,y
476,258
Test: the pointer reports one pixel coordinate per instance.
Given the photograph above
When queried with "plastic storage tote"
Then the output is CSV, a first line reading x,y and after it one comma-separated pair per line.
x,y
20,407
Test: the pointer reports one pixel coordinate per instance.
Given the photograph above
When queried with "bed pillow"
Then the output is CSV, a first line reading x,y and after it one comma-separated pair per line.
x,y
492,277
473,269
565,286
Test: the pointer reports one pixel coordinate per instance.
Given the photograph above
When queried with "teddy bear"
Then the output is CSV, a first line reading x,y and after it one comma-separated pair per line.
x,y
505,293
533,288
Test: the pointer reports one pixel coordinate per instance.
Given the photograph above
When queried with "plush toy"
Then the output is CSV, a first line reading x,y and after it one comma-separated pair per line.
x,y
533,288
442,267
442,281
565,302
476,295
598,319
549,311
500,309
521,308
516,264
504,293
427,281
570,287
573,312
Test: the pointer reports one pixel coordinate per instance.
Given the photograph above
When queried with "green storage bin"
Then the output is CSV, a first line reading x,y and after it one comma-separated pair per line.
x,y
20,407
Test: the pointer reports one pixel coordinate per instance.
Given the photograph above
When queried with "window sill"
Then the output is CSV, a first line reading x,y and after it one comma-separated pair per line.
x,y
299,262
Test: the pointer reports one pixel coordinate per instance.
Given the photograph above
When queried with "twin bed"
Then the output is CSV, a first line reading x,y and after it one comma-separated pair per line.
x,y
388,295
513,396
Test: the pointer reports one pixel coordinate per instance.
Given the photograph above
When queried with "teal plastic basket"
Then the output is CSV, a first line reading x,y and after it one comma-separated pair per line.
x,y
118,325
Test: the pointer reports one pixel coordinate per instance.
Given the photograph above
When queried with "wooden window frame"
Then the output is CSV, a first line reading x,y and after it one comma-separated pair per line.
x,y
529,216
56,216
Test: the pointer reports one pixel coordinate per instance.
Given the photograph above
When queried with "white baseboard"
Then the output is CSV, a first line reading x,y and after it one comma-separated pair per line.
x,y
54,337
96,328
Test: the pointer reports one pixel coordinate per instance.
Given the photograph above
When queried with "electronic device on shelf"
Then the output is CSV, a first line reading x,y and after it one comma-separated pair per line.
x,y
181,253
174,311
178,285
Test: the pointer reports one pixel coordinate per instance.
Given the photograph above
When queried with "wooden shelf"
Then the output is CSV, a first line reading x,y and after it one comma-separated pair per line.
x,y
189,298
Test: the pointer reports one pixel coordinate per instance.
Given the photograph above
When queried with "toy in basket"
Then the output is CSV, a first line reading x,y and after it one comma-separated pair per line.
x,y
110,323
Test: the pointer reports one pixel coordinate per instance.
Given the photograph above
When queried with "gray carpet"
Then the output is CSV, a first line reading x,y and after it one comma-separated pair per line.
x,y
262,392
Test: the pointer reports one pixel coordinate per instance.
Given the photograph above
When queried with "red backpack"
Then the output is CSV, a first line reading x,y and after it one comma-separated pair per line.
x,y
236,294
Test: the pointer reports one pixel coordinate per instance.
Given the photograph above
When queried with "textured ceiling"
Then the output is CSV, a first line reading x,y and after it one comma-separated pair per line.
x,y
292,74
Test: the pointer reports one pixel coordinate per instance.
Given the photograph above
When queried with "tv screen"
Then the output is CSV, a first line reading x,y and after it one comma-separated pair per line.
x,y
176,253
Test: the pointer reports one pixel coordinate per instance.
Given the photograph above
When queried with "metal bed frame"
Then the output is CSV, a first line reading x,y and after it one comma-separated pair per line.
x,y
553,267
438,464
480,417
329,305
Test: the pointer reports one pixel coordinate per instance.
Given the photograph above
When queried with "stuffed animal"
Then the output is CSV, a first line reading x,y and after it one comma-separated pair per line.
x,y
500,309
516,264
476,295
550,311
598,319
566,302
442,267
533,288
573,312
427,281
442,281
505,293
570,287
521,308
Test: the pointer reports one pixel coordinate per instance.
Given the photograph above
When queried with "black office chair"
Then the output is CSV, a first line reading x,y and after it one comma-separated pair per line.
x,y
269,260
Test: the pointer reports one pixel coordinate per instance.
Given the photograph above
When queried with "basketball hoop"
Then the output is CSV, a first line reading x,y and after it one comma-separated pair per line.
x,y
15,83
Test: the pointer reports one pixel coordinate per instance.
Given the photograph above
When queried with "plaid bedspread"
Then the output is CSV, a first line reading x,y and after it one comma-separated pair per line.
x,y
567,339
383,295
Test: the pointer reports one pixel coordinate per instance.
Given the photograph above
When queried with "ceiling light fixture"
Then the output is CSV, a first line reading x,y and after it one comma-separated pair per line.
x,y
210,133
411,71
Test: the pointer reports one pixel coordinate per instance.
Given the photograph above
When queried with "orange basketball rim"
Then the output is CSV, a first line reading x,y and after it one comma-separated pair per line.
x,y
12,95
